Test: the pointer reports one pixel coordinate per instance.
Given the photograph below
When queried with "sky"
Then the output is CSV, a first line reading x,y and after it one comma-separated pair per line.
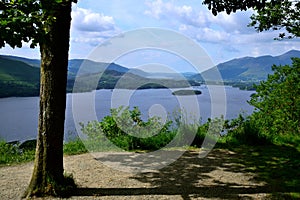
x,y
223,37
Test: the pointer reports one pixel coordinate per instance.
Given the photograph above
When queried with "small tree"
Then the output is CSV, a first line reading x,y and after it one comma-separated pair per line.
x,y
277,101
269,14
46,23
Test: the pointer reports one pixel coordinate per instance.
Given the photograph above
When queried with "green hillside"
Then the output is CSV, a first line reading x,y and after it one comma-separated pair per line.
x,y
251,69
31,62
111,79
18,78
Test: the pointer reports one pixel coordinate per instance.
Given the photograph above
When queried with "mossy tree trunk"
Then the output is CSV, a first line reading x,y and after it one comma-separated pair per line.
x,y
48,174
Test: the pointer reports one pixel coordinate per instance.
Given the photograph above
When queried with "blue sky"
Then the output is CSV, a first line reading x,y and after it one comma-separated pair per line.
x,y
223,37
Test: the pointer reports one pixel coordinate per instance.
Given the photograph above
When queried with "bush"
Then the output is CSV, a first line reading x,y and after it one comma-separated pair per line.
x,y
276,101
75,146
12,153
244,131
292,140
125,129
193,134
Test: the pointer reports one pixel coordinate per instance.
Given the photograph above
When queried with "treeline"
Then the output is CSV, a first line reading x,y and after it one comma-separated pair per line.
x,y
18,89
111,79
242,85
107,81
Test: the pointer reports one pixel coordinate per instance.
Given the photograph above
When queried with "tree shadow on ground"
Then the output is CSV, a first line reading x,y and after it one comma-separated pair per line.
x,y
277,166
241,172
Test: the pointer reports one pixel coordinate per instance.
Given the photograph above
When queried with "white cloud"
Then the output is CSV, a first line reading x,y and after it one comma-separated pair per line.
x,y
184,14
199,17
86,20
212,35
90,27
198,22
228,34
233,23
223,36
155,9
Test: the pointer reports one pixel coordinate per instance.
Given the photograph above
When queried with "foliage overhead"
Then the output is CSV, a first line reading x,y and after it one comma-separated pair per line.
x,y
26,20
268,15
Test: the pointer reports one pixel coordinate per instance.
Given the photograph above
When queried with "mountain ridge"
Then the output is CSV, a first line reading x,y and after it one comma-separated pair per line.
x,y
249,68
19,74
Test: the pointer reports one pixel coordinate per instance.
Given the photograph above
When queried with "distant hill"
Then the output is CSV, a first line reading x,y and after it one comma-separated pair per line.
x,y
31,62
20,76
14,70
91,67
251,69
74,64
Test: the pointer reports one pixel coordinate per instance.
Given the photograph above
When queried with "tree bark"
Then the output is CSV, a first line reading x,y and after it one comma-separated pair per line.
x,y
48,174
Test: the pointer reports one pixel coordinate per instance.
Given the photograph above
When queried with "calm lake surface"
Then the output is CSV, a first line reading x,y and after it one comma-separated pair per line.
x,y
19,115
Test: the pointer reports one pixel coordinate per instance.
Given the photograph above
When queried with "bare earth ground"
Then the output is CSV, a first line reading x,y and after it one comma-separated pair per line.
x,y
189,177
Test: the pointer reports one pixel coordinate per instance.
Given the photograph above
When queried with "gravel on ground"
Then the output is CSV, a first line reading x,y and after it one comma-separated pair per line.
x,y
102,176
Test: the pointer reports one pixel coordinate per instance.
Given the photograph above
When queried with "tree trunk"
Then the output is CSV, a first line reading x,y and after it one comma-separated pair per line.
x,y
48,174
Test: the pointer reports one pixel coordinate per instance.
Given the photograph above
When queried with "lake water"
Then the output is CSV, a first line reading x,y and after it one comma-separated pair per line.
x,y
19,115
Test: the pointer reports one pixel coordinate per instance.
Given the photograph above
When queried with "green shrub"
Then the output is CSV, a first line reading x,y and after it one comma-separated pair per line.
x,y
287,140
192,134
11,153
244,131
276,101
125,129
75,146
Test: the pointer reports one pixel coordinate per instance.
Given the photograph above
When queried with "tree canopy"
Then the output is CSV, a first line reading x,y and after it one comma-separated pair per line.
x,y
268,14
277,101
26,21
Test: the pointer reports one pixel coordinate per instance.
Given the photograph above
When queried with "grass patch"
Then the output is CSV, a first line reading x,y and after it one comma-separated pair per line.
x,y
14,154
74,147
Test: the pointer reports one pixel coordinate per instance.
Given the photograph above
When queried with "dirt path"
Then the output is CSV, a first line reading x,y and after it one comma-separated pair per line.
x,y
190,177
